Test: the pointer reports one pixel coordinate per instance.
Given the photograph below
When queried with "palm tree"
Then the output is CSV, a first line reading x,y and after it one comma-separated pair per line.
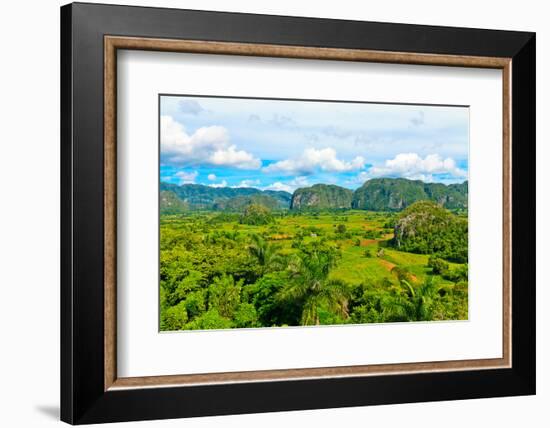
x,y
265,253
414,304
402,274
310,284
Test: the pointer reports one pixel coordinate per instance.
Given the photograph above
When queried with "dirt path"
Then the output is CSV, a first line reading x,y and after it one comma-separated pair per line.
x,y
389,266
365,242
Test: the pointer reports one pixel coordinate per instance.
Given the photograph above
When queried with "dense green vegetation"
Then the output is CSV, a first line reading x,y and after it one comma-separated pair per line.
x,y
394,194
426,228
321,196
199,197
256,215
378,194
264,267
171,204
240,203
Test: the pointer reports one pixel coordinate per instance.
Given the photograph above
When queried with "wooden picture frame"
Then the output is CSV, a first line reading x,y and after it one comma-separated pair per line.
x,y
91,390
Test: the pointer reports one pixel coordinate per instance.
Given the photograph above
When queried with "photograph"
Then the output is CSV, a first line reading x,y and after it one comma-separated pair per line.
x,y
292,213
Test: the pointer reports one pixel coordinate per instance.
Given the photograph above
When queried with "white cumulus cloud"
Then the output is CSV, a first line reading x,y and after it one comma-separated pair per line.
x,y
207,145
248,183
312,159
288,186
411,165
223,183
212,177
230,156
187,177
278,185
359,178
299,182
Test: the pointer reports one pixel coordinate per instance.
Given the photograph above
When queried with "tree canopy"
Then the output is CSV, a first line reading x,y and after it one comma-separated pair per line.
x,y
426,228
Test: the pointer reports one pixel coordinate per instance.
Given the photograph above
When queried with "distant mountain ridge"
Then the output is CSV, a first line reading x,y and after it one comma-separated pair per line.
x,y
377,194
395,194
201,197
321,196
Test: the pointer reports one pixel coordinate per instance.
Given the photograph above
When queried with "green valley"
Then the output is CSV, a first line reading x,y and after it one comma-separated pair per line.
x,y
394,250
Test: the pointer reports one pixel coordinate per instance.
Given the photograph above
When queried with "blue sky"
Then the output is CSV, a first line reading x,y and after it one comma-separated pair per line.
x,y
284,145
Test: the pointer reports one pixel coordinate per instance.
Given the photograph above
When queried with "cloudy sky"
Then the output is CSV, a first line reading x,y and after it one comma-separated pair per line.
x,y
283,145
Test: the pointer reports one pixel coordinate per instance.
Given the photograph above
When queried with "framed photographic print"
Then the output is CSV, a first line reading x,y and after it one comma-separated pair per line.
x,y
265,213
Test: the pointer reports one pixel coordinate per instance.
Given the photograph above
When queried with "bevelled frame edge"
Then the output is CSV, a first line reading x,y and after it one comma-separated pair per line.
x,y
66,214
113,43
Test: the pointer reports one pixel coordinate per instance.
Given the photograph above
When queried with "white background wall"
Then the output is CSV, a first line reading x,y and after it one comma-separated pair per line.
x,y
29,213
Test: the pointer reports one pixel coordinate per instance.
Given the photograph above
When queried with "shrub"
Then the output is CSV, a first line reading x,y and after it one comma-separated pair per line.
x,y
426,228
270,309
224,295
341,228
402,274
195,303
372,234
256,215
210,320
174,317
458,274
246,316
438,266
